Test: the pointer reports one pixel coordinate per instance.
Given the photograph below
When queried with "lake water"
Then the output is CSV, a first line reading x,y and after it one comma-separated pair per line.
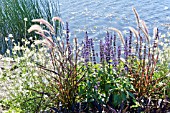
x,y
96,16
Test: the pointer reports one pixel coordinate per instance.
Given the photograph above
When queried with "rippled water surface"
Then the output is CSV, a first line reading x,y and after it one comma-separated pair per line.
x,y
96,16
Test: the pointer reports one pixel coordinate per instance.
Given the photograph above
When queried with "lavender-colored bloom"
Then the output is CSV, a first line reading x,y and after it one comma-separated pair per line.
x,y
114,44
86,55
87,49
119,53
130,43
126,68
113,51
93,52
101,51
126,53
83,49
111,40
67,40
114,58
126,49
107,49
96,87
115,61
67,33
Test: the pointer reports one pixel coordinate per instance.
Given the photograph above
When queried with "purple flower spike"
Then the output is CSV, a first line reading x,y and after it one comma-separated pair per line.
x,y
126,49
114,44
126,53
101,51
96,87
67,33
93,52
87,49
130,43
119,53
67,40
107,49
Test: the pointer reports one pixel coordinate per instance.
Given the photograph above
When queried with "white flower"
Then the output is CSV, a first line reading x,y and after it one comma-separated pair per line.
x,y
6,39
23,40
58,38
30,38
10,35
8,51
37,42
17,48
27,42
25,19
163,36
168,75
32,45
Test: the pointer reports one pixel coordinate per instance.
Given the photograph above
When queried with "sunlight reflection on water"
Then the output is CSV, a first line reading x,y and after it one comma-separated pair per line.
x,y
95,16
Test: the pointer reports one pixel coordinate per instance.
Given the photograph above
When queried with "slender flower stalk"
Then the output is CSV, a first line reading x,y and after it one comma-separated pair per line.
x,y
87,49
101,52
126,49
93,51
126,53
130,43
119,53
68,41
107,48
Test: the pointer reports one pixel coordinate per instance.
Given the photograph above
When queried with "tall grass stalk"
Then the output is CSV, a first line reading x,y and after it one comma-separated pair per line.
x,y
14,12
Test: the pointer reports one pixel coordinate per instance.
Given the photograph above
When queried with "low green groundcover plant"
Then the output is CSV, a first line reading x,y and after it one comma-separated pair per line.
x,y
57,75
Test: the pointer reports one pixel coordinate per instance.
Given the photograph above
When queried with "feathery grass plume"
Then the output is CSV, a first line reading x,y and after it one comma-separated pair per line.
x,y
57,24
144,26
35,27
47,33
47,40
145,30
137,17
38,30
57,19
134,32
119,33
42,21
